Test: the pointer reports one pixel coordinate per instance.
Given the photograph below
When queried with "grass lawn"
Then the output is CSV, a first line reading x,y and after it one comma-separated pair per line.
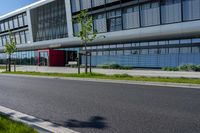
x,y
9,126
114,77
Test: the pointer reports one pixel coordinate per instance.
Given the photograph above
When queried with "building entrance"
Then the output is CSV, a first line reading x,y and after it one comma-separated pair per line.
x,y
43,58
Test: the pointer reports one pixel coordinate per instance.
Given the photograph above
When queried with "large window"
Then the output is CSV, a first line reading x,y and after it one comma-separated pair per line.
x,y
150,14
100,23
114,20
49,21
75,5
97,2
85,4
191,9
171,11
131,17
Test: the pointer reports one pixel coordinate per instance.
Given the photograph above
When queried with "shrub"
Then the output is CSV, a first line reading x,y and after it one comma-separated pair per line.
x,y
113,66
188,67
170,69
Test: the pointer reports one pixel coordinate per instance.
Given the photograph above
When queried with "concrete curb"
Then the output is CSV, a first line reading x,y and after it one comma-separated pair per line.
x,y
167,84
39,124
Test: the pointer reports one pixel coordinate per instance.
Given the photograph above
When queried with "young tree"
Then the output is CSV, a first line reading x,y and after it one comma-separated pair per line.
x,y
86,32
9,49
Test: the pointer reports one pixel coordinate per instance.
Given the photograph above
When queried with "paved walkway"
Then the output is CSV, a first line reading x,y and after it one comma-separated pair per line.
x,y
136,72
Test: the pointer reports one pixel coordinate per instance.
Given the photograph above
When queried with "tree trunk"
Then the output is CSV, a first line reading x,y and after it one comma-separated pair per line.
x,y
9,63
86,60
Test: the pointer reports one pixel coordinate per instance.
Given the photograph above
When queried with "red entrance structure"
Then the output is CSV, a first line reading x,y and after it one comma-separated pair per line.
x,y
50,57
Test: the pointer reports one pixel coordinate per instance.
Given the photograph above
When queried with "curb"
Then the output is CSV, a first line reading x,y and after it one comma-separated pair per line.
x,y
38,124
163,84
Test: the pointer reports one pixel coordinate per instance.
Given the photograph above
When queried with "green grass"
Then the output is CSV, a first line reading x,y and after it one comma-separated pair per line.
x,y
114,77
9,126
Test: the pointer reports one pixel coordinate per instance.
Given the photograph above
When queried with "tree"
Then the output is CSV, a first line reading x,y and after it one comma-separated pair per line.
x,y
9,49
86,32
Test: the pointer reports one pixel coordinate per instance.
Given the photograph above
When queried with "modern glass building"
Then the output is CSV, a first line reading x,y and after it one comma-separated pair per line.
x,y
138,33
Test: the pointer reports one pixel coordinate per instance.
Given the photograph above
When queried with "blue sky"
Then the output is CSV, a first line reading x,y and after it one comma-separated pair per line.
x,y
7,6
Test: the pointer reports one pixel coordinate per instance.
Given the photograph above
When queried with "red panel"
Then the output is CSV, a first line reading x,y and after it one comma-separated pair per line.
x,y
56,58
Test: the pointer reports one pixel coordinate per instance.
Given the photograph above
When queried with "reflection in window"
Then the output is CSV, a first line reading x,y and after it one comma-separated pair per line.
x,y
195,49
191,9
49,21
100,23
185,50
171,11
150,14
114,20
173,50
131,17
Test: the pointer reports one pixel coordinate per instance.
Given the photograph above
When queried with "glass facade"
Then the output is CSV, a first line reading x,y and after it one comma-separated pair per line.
x,y
22,58
137,54
20,37
142,14
49,21
13,23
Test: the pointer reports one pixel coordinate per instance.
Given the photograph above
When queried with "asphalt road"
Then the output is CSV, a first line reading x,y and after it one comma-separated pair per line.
x,y
92,107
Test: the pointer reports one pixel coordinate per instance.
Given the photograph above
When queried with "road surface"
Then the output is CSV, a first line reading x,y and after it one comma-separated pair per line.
x,y
96,107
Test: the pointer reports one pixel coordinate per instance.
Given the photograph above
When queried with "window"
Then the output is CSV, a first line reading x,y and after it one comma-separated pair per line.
x,y
185,41
153,51
22,36
143,51
127,52
174,41
1,43
16,24
2,27
100,23
153,43
6,25
49,21
162,51
150,14
196,40
17,38
97,2
11,24
131,17
144,44
195,49
171,11
191,9
85,4
173,50
185,50
27,37
114,20
21,23
75,5
25,19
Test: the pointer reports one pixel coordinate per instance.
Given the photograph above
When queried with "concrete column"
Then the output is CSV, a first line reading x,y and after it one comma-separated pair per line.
x,y
69,18
29,25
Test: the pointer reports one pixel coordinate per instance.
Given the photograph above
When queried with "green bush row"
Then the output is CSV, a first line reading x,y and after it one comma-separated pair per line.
x,y
114,66
186,67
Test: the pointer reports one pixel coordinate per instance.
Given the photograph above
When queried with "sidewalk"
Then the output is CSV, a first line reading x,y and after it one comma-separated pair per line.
x,y
136,72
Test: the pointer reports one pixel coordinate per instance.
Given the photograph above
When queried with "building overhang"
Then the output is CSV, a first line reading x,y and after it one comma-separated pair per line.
x,y
168,31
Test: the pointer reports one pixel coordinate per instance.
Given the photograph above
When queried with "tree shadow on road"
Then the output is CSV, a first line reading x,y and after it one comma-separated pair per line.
x,y
96,122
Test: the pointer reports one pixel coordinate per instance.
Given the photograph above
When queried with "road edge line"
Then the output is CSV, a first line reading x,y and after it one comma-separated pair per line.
x,y
34,122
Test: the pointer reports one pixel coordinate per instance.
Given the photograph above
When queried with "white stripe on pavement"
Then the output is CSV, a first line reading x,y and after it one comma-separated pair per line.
x,y
34,122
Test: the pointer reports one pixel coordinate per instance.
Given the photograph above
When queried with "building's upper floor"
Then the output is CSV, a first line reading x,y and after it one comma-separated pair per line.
x,y
56,19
